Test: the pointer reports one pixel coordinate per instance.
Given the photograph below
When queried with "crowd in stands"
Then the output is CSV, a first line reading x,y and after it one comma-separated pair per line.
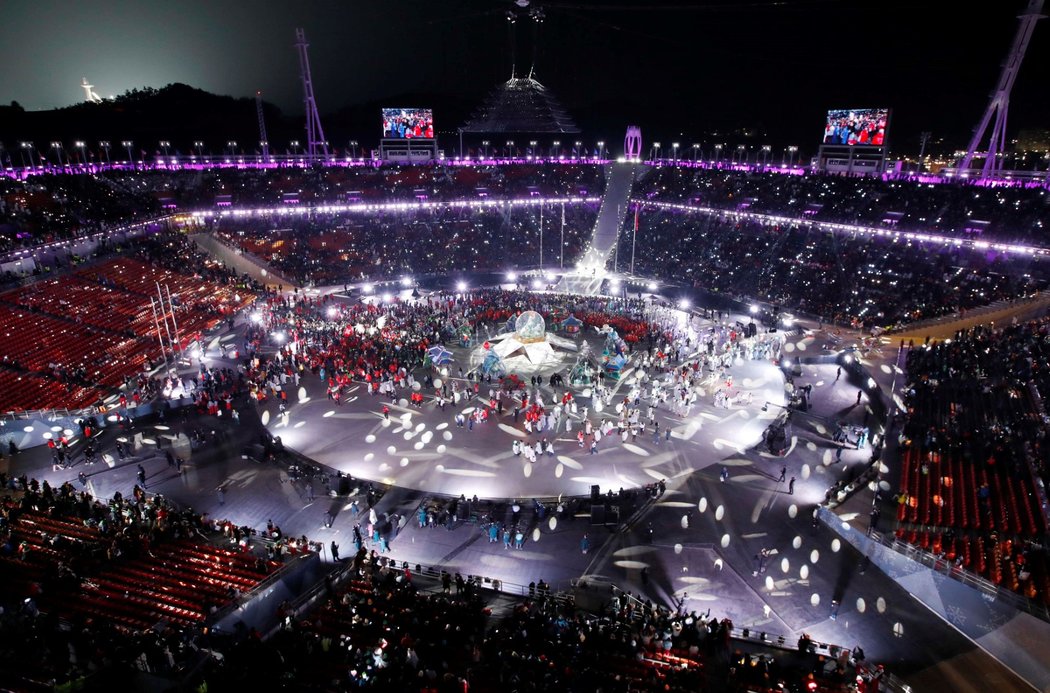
x,y
49,208
872,282
332,249
71,340
861,280
92,584
386,628
1010,214
973,454
387,183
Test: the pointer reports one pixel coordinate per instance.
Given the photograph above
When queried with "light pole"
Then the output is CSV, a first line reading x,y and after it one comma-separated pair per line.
x,y
105,148
601,149
656,151
27,147
127,144
510,149
232,146
741,153
485,148
57,146
555,148
924,139
766,149
696,151
199,146
576,149
718,153
532,148
353,148
164,144
674,153
263,147
295,147
82,146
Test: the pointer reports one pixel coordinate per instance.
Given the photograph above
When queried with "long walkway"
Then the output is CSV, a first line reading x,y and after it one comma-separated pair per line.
x,y
618,186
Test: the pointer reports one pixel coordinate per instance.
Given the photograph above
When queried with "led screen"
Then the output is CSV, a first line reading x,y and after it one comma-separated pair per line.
x,y
408,123
857,126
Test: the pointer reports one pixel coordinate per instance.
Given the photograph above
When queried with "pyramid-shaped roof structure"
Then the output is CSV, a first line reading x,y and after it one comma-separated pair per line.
x,y
521,104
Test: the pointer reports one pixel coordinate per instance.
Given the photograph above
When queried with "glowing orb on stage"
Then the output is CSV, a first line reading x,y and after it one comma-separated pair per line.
x,y
530,327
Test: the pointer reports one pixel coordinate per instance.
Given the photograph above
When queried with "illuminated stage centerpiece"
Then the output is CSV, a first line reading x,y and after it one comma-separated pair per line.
x,y
530,328
525,347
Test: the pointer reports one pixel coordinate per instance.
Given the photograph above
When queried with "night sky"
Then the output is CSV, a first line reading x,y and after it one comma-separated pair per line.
x,y
672,67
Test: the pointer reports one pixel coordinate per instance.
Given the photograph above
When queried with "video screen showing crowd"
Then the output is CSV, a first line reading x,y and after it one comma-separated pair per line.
x,y
857,126
408,123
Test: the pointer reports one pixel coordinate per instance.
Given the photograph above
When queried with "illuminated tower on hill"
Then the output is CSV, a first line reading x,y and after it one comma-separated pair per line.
x,y
89,91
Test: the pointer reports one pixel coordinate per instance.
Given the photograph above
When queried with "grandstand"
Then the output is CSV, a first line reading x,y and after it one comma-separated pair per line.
x,y
163,344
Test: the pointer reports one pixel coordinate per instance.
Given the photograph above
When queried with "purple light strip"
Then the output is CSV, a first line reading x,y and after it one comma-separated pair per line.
x,y
193,163
919,236
369,208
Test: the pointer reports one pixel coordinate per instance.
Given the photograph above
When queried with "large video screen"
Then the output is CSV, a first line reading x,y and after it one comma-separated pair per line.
x,y
857,126
408,123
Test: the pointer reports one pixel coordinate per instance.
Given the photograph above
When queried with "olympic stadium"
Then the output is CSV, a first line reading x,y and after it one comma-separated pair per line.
x,y
524,408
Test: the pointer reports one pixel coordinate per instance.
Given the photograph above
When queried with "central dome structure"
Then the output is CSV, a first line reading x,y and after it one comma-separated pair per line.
x,y
530,327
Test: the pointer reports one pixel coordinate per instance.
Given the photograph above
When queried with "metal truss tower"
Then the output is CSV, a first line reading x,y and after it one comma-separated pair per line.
x,y
263,141
999,105
316,146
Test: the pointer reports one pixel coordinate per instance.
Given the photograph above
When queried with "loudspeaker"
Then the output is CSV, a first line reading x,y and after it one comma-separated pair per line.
x,y
343,487
595,493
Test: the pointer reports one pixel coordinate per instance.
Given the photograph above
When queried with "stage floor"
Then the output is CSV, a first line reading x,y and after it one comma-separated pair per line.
x,y
424,449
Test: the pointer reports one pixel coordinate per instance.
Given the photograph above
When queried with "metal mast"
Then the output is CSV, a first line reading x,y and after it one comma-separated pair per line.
x,y
315,141
264,142
999,105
